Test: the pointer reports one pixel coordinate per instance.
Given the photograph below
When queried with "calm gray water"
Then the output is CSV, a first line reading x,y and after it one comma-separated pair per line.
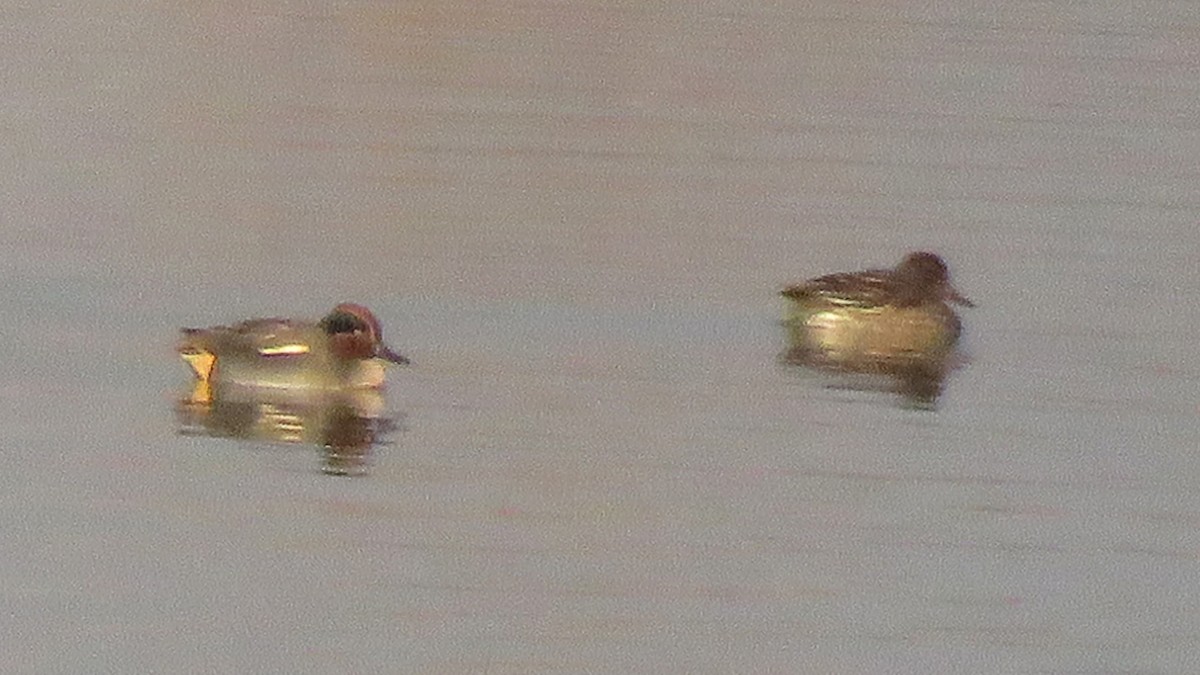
x,y
574,216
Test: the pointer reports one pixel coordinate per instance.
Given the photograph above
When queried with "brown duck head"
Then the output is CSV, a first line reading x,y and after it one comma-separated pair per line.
x,y
923,276
355,333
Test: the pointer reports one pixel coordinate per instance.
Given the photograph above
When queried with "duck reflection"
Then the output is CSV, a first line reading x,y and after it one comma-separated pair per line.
x,y
344,425
919,380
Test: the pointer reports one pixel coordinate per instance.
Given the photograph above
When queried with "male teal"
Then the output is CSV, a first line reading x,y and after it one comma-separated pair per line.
x,y
343,350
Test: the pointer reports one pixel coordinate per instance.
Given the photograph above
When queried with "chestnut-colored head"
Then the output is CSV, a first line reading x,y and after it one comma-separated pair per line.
x,y
355,333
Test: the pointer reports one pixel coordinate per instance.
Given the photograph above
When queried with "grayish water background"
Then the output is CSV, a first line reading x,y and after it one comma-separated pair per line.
x,y
574,217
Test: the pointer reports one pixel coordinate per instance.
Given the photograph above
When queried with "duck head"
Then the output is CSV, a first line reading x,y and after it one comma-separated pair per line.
x,y
355,333
924,275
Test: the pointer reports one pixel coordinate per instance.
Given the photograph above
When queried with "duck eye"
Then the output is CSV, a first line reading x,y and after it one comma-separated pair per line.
x,y
341,322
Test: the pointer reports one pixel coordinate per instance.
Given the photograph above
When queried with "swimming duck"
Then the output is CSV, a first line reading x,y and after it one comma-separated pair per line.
x,y
880,314
344,350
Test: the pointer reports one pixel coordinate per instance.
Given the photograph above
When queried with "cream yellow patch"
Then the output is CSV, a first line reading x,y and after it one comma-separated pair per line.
x,y
201,363
201,393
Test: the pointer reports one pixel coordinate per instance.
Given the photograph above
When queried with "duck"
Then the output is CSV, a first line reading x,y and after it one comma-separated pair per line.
x,y
878,315
342,350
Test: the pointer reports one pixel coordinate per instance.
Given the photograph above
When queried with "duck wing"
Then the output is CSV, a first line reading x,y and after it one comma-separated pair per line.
x,y
870,288
261,337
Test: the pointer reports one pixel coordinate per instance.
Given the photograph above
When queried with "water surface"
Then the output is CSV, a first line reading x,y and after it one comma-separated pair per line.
x,y
574,217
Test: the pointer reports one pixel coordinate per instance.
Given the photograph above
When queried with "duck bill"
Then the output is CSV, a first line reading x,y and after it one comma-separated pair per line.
x,y
385,352
957,298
